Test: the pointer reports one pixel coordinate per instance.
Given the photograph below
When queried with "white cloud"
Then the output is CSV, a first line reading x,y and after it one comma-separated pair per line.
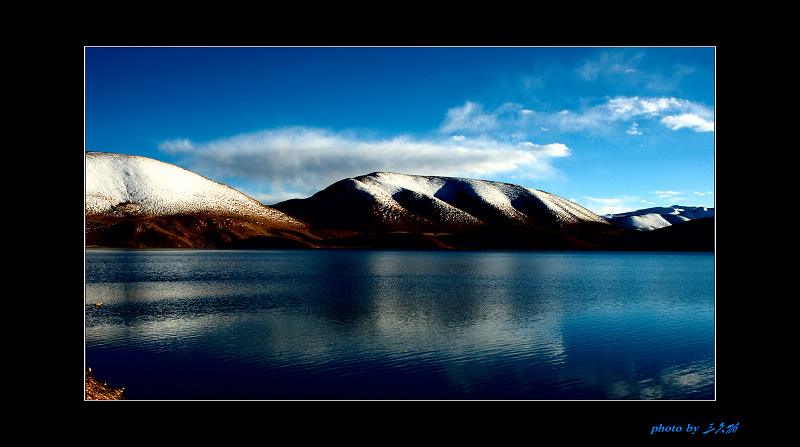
x,y
176,146
513,119
689,120
609,64
624,108
547,150
299,161
602,206
469,117
666,194
628,68
472,142
676,113
634,129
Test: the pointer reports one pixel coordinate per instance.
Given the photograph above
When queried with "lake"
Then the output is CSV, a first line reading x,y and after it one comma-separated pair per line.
x,y
394,324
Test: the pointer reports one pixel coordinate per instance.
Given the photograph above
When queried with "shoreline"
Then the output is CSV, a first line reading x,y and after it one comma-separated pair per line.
x,y
97,390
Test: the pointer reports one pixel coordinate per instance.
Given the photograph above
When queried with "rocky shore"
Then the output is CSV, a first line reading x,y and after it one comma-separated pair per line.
x,y
97,390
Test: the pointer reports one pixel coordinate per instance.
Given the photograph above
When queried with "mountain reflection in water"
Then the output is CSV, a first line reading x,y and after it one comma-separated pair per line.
x,y
382,324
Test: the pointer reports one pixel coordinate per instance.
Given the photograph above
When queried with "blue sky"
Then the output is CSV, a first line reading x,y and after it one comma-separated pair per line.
x,y
613,129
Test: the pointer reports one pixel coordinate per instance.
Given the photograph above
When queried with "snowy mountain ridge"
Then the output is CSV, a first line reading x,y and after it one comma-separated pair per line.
x,y
658,217
443,192
134,201
395,201
128,185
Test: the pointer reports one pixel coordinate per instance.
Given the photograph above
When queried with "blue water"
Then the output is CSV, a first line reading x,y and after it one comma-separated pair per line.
x,y
381,324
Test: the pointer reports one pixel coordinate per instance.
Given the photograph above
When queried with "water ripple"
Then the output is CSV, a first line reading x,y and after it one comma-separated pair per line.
x,y
401,325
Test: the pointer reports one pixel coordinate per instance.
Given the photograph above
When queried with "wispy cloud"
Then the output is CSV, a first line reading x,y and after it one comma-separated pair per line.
x,y
610,64
603,206
516,121
689,120
634,129
631,69
298,161
678,197
276,164
472,117
666,194
673,113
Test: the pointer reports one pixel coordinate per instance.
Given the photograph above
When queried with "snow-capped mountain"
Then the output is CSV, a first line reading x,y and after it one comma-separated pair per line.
x,y
658,217
384,201
128,185
138,201
133,201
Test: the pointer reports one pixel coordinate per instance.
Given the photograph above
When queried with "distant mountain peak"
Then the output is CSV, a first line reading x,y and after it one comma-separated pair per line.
x,y
658,217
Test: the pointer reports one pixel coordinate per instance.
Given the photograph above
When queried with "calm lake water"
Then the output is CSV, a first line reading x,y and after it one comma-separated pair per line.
x,y
375,324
